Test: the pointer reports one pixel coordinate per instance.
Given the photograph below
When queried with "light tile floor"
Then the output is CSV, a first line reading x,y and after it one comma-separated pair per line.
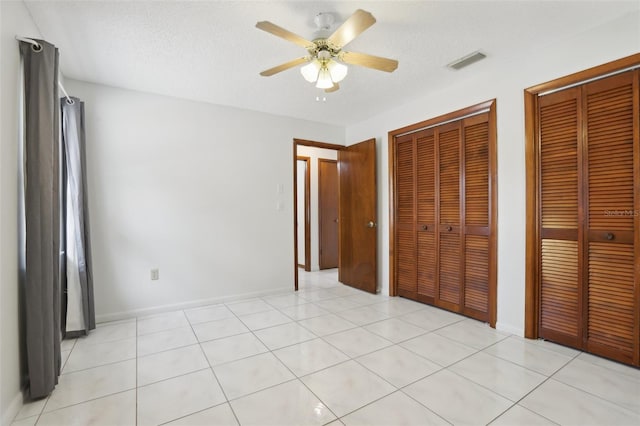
x,y
328,354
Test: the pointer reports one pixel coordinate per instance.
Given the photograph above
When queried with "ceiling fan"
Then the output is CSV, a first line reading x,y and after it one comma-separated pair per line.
x,y
326,59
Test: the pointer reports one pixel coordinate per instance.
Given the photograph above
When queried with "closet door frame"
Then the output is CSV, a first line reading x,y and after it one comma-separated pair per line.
x,y
490,108
533,196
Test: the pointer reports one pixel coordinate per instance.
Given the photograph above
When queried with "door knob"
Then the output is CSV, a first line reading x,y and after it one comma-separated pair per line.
x,y
449,228
610,236
371,224
425,227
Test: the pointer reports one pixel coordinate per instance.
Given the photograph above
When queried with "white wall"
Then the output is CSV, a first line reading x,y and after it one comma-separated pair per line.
x,y
506,82
314,154
192,189
14,20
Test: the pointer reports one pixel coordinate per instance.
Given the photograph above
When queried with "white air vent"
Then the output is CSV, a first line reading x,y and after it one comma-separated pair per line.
x,y
467,60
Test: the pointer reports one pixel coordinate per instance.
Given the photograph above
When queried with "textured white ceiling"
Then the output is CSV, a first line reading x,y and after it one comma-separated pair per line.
x,y
210,50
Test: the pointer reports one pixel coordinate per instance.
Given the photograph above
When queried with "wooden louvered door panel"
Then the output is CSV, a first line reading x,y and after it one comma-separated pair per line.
x,y
450,260
426,214
611,150
475,140
560,314
589,217
405,217
443,216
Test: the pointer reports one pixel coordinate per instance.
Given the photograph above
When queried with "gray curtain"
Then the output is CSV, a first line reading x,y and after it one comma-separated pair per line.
x,y
42,218
79,314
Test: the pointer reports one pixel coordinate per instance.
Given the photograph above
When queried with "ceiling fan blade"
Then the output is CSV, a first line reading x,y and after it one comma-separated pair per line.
x,y
352,28
335,87
369,61
283,67
285,34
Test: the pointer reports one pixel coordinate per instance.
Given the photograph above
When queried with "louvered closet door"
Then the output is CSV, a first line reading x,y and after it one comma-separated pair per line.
x,y
426,214
611,291
560,264
405,217
475,141
450,260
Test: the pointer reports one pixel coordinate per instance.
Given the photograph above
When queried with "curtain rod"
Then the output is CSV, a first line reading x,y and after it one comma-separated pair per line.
x,y
38,47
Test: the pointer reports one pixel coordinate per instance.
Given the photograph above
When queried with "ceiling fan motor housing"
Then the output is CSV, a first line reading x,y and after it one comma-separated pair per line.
x,y
323,50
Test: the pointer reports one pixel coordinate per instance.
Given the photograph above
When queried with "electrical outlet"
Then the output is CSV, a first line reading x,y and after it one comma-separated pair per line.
x,y
155,274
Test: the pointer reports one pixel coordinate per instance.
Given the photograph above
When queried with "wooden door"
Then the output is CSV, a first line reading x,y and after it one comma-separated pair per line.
x,y
443,216
415,221
426,215
561,256
449,259
611,217
588,209
357,216
328,213
476,229
405,208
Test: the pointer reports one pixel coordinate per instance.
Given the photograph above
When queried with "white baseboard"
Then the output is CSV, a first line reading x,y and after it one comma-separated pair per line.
x,y
12,410
500,326
116,316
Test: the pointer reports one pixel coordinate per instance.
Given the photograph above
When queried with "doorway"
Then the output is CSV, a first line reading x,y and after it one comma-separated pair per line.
x,y
316,170
356,206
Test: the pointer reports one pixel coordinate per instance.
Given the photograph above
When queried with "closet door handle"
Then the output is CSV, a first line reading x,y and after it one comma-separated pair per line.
x,y
449,228
425,227
610,236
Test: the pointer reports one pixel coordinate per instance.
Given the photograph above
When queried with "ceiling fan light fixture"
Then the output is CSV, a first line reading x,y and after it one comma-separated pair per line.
x,y
324,79
337,70
310,71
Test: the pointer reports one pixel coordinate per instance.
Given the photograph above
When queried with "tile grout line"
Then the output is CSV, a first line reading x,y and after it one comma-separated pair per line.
x,y
362,327
299,379
400,389
349,358
295,377
524,366
524,408
194,371
81,402
397,389
477,351
355,359
587,392
269,351
534,389
215,376
98,366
